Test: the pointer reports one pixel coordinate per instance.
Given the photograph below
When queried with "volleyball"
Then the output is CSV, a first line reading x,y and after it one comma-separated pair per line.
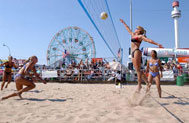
x,y
103,15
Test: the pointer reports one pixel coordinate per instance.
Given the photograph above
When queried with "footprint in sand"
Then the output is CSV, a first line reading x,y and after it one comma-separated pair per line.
x,y
138,98
84,116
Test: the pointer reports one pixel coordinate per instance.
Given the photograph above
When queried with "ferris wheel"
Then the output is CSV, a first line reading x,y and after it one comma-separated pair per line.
x,y
70,44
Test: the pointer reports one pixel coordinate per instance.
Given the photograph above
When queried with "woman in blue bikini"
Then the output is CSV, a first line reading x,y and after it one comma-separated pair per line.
x,y
21,80
154,66
137,37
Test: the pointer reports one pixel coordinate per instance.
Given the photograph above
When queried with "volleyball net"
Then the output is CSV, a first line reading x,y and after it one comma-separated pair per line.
x,y
105,28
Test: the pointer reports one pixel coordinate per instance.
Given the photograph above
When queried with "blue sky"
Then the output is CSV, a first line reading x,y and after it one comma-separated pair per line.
x,y
27,26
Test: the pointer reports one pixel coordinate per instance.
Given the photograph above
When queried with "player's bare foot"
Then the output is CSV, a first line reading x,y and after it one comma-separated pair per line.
x,y
147,88
138,89
3,98
6,86
19,95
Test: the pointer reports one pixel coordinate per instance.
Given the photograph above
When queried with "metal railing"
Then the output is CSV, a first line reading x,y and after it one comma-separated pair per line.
x,y
101,74
84,75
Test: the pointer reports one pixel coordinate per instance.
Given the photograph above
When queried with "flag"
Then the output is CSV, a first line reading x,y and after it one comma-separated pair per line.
x,y
65,53
119,53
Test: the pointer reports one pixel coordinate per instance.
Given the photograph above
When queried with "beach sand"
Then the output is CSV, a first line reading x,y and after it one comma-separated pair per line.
x,y
95,103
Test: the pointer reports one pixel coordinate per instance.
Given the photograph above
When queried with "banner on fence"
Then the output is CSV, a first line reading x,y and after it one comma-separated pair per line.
x,y
168,75
183,59
49,74
94,60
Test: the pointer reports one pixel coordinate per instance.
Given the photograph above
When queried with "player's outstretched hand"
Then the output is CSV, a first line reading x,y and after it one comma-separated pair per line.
x,y
121,20
160,46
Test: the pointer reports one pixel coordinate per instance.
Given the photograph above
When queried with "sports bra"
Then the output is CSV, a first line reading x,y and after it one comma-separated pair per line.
x,y
135,40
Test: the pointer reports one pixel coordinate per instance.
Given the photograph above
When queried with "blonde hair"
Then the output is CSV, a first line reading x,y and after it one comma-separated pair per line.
x,y
30,58
142,30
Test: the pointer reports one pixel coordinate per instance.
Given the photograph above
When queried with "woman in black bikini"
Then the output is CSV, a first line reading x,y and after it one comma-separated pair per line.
x,y
136,38
7,74
21,81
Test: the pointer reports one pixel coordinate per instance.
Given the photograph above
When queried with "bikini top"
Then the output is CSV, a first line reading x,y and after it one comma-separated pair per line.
x,y
135,40
155,64
29,70
8,66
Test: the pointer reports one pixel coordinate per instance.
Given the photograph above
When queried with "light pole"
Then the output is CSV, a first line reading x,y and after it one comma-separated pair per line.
x,y
131,25
8,49
131,16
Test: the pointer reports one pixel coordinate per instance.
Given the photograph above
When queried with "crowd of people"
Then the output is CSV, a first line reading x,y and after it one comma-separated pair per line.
x,y
177,68
86,70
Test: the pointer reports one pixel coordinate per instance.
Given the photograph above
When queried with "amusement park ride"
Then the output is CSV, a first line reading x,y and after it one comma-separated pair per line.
x,y
71,44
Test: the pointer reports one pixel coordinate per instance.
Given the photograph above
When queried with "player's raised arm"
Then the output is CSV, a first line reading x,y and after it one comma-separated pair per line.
x,y
127,27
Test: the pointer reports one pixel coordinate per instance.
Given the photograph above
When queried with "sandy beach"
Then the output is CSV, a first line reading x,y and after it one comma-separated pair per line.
x,y
95,103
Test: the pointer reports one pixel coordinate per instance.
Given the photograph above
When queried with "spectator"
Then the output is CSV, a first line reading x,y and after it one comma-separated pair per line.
x,y
38,70
87,63
165,67
76,73
63,64
81,64
187,67
172,66
112,76
179,67
175,70
118,80
90,75
61,74
68,73
44,67
81,67
74,64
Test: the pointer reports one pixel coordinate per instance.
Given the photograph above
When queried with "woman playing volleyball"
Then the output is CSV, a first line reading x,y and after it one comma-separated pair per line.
x,y
136,39
154,66
7,74
22,81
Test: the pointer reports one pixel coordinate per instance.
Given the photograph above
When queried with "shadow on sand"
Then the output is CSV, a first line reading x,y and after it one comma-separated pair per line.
x,y
35,91
169,97
40,100
179,100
